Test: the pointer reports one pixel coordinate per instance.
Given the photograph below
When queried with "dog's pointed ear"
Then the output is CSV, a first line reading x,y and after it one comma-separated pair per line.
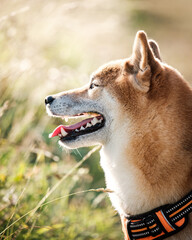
x,y
143,60
155,48
141,51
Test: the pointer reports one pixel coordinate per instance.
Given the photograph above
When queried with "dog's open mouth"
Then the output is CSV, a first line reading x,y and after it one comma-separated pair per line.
x,y
91,123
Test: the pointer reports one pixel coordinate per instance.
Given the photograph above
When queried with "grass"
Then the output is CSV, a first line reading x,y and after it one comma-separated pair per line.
x,y
31,215
51,46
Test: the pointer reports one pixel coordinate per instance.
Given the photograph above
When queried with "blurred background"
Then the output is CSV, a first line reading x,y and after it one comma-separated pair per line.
x,y
49,46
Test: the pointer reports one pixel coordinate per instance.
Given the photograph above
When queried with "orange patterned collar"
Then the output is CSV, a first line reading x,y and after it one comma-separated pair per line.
x,y
159,223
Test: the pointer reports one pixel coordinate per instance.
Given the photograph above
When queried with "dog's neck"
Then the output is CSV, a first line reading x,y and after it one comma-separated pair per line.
x,y
143,180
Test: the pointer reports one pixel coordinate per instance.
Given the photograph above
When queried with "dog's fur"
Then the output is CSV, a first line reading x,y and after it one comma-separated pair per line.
x,y
147,138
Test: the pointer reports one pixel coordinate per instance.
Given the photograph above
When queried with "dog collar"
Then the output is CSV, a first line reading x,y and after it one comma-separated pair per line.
x,y
159,223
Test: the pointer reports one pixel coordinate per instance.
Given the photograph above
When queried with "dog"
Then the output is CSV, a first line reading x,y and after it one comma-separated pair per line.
x,y
140,110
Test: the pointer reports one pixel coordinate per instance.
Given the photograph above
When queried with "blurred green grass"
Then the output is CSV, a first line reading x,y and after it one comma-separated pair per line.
x,y
51,46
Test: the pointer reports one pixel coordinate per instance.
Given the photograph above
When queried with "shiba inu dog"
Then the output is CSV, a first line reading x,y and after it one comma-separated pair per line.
x,y
140,110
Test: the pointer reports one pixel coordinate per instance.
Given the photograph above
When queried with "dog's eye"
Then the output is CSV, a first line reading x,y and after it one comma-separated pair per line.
x,y
93,85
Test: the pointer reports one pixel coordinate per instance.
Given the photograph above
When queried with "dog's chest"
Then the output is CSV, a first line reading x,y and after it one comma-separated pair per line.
x,y
121,178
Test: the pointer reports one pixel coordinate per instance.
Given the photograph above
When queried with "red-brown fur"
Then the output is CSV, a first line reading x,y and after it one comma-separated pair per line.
x,y
159,103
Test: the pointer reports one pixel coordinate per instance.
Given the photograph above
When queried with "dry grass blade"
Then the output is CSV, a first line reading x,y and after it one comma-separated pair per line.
x,y
14,13
4,108
105,190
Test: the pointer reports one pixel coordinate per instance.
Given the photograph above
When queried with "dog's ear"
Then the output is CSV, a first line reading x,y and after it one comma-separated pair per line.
x,y
144,61
155,48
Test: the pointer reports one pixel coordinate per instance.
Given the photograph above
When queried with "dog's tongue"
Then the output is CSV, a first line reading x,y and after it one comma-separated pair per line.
x,y
56,131
67,129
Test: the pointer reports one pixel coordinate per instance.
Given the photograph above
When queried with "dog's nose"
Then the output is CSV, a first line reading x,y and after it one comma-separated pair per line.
x,y
49,99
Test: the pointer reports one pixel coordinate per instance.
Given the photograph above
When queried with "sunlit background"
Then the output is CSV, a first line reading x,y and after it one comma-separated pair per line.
x,y
49,46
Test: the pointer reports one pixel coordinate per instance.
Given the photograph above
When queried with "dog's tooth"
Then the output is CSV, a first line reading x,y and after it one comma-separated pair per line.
x,y
94,121
82,128
88,125
100,120
76,130
63,132
60,135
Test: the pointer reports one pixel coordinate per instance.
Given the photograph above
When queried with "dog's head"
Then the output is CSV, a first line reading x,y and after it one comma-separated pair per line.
x,y
119,95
